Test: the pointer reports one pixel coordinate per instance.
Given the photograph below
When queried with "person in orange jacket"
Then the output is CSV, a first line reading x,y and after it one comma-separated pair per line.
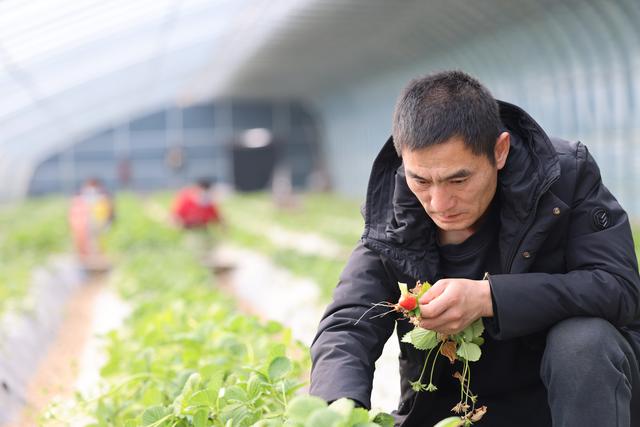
x,y
90,215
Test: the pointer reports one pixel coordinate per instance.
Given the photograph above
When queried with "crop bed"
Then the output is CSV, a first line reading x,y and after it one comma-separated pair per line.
x,y
186,355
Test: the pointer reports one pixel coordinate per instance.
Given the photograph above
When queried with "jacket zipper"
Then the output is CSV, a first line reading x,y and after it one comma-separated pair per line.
x,y
514,251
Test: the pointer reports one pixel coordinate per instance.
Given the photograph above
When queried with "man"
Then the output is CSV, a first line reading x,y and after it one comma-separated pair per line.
x,y
466,186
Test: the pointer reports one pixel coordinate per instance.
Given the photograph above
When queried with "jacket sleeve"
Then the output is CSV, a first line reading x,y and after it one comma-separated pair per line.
x,y
349,340
601,278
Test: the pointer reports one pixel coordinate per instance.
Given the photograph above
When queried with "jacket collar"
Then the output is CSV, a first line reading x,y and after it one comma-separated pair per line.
x,y
397,226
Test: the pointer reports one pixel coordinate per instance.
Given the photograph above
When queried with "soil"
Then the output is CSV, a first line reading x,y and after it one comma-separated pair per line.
x,y
57,371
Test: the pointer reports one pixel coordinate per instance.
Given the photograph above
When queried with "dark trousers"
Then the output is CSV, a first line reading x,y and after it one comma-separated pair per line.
x,y
591,374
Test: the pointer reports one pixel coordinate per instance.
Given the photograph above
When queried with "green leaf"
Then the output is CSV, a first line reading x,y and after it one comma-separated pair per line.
x,y
383,419
200,418
236,393
300,407
279,367
403,288
343,406
212,372
254,386
204,398
478,340
359,416
268,423
465,335
152,396
153,415
234,414
324,417
423,289
450,422
469,351
191,384
422,339
272,327
478,328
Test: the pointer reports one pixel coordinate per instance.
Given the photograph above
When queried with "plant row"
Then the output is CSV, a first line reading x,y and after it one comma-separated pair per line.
x,y
31,232
186,356
337,218
331,217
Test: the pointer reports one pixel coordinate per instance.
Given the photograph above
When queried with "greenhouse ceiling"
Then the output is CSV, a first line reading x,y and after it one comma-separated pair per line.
x,y
69,68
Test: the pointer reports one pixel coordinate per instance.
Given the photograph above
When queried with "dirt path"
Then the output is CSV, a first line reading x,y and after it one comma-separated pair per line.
x,y
58,369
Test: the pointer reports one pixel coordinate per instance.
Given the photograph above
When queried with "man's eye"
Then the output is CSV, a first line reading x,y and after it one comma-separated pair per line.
x,y
458,181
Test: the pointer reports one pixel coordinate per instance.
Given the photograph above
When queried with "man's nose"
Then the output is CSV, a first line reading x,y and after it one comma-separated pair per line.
x,y
441,200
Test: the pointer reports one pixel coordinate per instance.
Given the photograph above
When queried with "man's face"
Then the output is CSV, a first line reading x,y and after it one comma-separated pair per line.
x,y
454,185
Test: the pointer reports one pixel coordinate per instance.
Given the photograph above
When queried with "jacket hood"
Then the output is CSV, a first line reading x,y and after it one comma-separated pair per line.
x,y
397,226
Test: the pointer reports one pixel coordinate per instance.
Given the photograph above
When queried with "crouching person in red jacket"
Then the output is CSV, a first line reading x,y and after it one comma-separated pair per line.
x,y
195,209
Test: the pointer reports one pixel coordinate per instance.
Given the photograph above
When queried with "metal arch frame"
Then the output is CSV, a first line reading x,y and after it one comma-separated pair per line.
x,y
557,35
619,41
45,137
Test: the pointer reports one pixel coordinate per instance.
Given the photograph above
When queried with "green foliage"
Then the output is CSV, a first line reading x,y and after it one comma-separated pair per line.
x,y
31,231
422,339
332,216
187,357
309,411
450,422
134,229
463,346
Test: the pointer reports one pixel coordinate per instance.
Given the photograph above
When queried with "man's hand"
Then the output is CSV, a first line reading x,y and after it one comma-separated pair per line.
x,y
453,304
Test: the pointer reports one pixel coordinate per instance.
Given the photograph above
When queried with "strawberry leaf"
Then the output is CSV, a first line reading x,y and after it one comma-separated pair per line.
x,y
382,418
450,422
477,328
301,406
422,339
403,288
153,415
279,367
469,351
424,288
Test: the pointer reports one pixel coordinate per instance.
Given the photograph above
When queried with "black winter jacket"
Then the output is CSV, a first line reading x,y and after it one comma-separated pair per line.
x,y
564,240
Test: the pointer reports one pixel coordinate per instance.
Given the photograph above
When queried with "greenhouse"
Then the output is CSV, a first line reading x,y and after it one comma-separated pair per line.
x,y
319,213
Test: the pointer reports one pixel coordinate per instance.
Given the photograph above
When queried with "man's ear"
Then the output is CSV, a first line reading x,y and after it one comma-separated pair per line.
x,y
501,150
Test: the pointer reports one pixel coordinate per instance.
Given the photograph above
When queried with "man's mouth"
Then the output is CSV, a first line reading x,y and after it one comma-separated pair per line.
x,y
449,218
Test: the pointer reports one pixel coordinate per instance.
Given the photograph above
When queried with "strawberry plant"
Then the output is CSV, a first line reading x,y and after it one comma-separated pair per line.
x,y
463,346
187,357
309,411
332,216
31,232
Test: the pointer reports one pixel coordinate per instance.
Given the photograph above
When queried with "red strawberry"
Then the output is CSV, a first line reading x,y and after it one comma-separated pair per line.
x,y
408,301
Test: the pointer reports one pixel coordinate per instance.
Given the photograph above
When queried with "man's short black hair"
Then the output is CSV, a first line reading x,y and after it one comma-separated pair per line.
x,y
437,107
